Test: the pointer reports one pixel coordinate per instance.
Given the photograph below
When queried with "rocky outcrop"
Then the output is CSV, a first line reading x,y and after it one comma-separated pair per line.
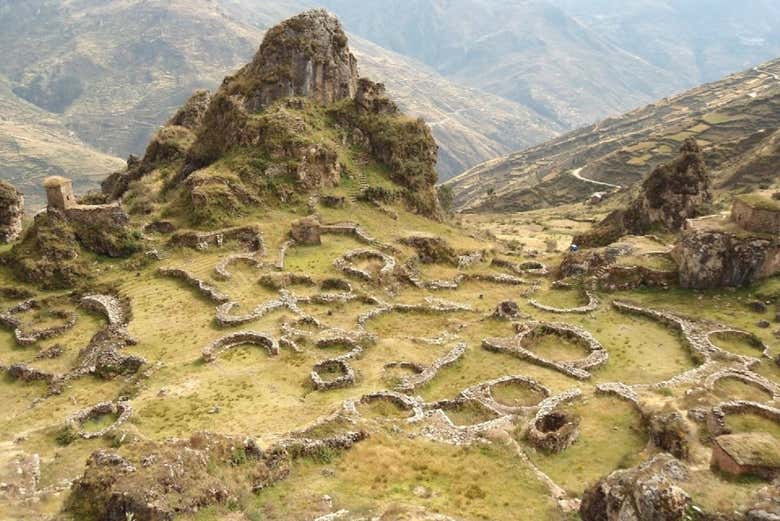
x,y
11,212
50,254
404,144
304,56
718,257
645,493
431,250
169,144
159,481
671,194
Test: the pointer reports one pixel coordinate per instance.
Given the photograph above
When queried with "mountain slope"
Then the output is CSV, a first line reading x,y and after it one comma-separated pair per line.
x,y
734,120
469,125
699,41
35,144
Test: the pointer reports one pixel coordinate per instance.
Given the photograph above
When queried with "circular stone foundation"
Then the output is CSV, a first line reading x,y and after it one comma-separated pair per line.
x,y
554,431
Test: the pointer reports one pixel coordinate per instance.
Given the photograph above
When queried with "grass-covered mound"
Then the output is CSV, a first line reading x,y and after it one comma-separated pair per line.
x,y
49,255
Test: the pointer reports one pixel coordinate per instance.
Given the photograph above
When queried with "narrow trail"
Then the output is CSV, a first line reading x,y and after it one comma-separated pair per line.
x,y
360,184
566,503
576,173
762,71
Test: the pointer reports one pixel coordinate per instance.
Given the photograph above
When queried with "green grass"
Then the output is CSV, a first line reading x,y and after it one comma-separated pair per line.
x,y
483,482
611,437
514,394
751,422
761,202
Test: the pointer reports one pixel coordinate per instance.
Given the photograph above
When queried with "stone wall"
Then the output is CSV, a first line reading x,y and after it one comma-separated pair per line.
x,y
755,217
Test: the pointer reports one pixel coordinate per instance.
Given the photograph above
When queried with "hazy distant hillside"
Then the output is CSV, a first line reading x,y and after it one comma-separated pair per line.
x,y
35,144
115,70
697,40
531,52
735,121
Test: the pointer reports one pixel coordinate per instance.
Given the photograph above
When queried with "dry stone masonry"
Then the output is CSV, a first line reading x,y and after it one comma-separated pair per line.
x,y
579,369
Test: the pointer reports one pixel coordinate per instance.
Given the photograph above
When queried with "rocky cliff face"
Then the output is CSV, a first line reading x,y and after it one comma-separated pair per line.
x,y
713,258
11,212
305,56
671,194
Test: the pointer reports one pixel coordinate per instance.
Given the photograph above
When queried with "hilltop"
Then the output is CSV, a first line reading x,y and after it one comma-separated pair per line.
x,y
734,120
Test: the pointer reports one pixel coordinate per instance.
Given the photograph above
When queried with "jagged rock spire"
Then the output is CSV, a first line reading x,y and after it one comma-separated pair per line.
x,y
306,55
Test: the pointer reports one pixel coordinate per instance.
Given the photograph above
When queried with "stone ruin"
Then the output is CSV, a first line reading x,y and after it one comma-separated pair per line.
x,y
554,430
718,251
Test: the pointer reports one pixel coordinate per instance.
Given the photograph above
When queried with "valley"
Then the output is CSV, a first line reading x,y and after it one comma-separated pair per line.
x,y
274,314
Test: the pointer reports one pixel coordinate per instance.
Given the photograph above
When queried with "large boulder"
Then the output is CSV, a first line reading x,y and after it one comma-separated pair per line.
x,y
644,493
713,256
11,212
